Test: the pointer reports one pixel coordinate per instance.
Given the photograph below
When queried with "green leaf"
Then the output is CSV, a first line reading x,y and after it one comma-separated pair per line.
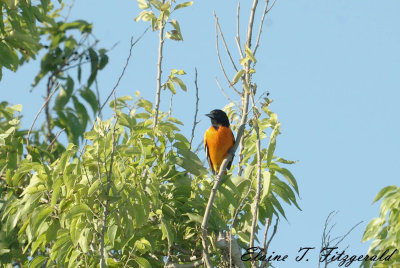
x,y
276,204
143,4
78,24
175,120
103,58
237,77
40,218
111,233
167,232
17,108
78,210
8,57
62,99
194,218
244,237
285,161
385,191
145,16
171,86
142,262
272,143
89,96
176,33
287,175
147,105
56,191
38,262
372,229
249,54
157,4
81,111
94,61
139,214
180,83
266,184
182,5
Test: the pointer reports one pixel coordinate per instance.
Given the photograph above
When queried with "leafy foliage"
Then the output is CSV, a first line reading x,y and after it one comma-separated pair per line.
x,y
70,48
19,32
385,229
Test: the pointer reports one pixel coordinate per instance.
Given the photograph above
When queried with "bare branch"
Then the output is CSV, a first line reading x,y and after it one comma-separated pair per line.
x,y
225,45
261,26
264,264
54,140
326,241
159,69
224,93
258,189
251,21
40,110
124,69
238,31
197,108
219,57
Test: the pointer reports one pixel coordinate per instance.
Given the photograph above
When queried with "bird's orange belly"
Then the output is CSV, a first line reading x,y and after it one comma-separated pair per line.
x,y
219,142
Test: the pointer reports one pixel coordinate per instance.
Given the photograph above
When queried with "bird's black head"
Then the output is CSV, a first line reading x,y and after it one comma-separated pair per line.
x,y
218,117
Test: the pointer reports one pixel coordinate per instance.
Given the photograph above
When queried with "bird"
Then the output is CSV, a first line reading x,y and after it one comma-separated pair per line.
x,y
218,139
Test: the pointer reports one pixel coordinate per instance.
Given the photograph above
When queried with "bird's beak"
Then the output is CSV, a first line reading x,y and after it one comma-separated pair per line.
x,y
210,115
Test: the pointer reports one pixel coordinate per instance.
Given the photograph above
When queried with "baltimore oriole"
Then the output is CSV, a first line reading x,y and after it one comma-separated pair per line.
x,y
218,139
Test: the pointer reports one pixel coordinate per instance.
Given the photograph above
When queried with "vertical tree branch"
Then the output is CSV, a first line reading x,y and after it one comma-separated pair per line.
x,y
159,69
238,31
266,245
197,108
247,81
218,178
106,211
261,26
258,190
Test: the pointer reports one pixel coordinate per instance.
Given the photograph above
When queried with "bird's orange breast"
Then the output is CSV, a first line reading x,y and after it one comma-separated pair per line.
x,y
218,142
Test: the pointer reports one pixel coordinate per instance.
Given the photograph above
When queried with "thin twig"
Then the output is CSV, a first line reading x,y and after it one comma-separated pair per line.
x,y
264,264
225,45
224,93
124,69
54,140
197,108
238,31
265,249
261,26
219,57
38,113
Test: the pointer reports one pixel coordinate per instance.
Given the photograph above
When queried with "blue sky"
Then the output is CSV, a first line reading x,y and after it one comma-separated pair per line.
x,y
332,68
